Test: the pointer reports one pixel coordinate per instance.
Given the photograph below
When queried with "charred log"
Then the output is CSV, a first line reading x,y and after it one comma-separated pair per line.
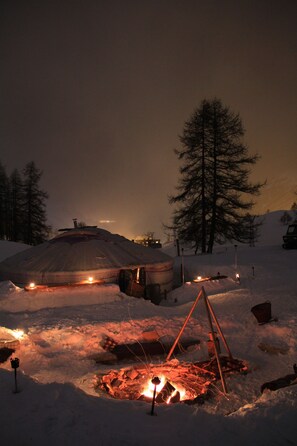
x,y
279,383
125,351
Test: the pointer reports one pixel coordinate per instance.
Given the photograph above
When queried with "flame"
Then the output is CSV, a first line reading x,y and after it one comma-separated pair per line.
x,y
32,285
18,334
181,391
148,390
172,396
90,279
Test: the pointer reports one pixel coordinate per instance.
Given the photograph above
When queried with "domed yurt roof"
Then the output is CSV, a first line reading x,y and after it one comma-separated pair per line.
x,y
76,253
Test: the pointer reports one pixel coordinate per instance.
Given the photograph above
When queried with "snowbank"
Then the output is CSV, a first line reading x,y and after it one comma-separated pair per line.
x,y
14,299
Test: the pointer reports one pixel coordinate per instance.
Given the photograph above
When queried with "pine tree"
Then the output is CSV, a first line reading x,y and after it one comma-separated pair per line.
x,y
286,218
214,179
253,223
35,229
4,211
294,209
16,200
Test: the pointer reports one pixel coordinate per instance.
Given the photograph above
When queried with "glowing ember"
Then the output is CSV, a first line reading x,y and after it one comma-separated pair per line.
x,y
18,334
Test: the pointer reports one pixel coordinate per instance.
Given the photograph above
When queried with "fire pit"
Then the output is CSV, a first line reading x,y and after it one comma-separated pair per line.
x,y
179,382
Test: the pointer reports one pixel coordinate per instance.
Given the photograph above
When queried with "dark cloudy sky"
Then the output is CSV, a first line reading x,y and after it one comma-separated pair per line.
x,y
97,92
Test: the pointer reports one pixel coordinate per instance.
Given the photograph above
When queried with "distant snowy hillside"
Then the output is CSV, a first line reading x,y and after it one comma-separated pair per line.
x,y
270,233
272,229
8,249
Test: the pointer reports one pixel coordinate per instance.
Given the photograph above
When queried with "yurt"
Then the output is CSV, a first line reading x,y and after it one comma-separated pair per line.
x,y
92,255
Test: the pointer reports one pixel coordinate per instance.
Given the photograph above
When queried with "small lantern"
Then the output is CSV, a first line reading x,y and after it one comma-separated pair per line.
x,y
155,381
15,363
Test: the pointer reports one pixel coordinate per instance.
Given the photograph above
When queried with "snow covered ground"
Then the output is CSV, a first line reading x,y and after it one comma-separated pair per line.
x,y
58,404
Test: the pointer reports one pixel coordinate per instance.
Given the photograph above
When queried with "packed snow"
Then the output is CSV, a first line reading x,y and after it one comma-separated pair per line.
x,y
58,403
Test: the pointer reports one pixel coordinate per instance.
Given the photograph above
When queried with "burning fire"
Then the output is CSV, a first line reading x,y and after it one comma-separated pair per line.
x,y
179,382
149,387
18,334
174,390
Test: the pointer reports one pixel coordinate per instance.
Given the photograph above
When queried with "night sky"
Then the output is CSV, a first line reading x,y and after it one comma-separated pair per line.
x,y
97,92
